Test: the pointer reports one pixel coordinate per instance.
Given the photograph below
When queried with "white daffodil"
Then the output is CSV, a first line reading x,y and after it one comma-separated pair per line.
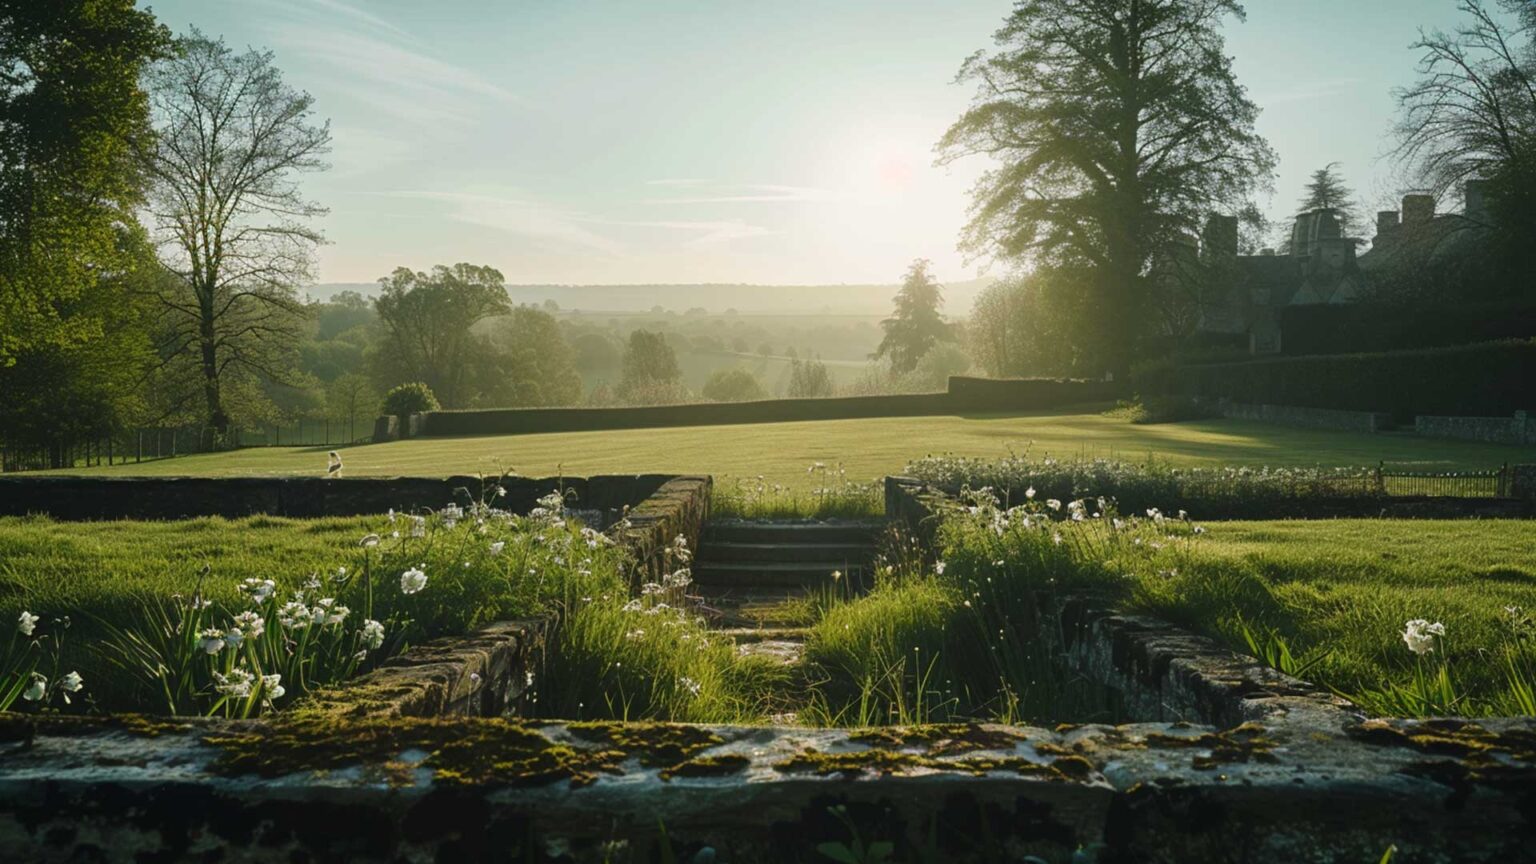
x,y
413,580
27,624
211,641
369,541
373,634
272,686
1419,635
72,683
37,689
236,684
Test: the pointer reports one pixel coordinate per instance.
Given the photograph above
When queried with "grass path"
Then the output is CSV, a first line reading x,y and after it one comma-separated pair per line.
x,y
867,448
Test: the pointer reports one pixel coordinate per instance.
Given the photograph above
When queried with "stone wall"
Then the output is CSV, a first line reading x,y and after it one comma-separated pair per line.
x,y
77,498
403,790
1307,418
1519,429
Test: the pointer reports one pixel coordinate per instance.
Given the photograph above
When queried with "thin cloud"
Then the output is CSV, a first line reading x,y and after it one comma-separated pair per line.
x,y
1308,91
677,181
520,218
359,15
753,193
709,233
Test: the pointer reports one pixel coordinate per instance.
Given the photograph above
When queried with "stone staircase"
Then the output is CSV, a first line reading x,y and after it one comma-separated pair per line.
x,y
750,573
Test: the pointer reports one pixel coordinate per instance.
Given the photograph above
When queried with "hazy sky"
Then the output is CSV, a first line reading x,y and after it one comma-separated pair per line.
x,y
722,141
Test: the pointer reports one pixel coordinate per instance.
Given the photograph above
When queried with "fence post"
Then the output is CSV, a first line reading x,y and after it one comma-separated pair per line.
x,y
1381,483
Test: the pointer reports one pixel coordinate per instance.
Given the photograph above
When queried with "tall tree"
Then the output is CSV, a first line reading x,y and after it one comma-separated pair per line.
x,y
1326,191
1472,111
1118,124
427,318
1471,115
72,119
917,324
73,349
528,363
650,374
233,225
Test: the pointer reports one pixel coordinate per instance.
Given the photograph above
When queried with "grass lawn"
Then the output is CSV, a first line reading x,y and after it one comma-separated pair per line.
x,y
867,448
1337,592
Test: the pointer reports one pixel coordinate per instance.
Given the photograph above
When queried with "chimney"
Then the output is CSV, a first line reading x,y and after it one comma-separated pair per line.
x,y
1418,209
1476,209
1219,239
1386,224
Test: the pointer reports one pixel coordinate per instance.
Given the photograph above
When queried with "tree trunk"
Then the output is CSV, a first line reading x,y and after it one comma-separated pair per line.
x,y
218,421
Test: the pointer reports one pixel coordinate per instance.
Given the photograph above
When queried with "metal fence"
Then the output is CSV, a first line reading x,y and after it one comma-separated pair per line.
x,y
152,443
1492,483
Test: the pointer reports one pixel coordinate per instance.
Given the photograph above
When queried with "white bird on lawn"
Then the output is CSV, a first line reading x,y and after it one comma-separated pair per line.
x,y
334,469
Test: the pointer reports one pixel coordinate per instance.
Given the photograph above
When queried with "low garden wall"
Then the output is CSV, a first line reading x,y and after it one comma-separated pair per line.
x,y
1519,429
963,395
79,498
1307,418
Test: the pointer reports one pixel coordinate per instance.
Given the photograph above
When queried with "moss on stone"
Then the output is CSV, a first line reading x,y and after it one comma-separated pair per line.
x,y
657,744
708,766
474,752
886,762
940,739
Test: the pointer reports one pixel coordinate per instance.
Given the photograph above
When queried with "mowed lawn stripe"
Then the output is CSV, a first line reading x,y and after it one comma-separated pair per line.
x,y
867,448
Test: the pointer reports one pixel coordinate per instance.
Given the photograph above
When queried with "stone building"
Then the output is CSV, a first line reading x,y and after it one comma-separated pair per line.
x,y
1243,294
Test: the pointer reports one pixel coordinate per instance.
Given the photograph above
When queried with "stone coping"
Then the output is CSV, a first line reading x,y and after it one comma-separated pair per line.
x,y
111,789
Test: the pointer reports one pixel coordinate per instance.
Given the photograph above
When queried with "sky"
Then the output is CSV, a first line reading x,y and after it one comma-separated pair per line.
x,y
784,142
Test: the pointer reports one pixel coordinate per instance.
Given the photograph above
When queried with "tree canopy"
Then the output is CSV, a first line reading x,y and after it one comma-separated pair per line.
x,y
427,319
1118,125
917,324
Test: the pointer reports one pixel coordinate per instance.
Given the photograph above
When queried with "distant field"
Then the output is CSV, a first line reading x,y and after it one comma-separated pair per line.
x,y
867,448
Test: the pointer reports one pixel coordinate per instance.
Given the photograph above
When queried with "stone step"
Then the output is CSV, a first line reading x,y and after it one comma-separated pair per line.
x,y
776,575
746,635
857,533
781,553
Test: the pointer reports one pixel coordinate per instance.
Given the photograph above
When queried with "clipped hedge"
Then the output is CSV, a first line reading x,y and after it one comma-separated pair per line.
x,y
1490,379
964,395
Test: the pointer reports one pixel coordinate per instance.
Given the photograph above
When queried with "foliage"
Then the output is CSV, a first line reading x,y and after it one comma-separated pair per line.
x,y
808,379
232,224
1160,409
916,325
1326,191
1484,380
528,363
407,399
1325,599
1117,126
650,370
72,118
833,496
733,385
1223,492
1033,325
428,318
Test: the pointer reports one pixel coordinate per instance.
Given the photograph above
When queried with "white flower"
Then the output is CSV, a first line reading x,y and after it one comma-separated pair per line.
x,y
373,633
1053,503
1419,635
418,526
498,546
237,683
939,568
1029,493
250,624
211,641
369,541
635,634
71,683
28,623
293,615
37,689
391,515
272,686
413,580
338,614
527,678
689,684
258,589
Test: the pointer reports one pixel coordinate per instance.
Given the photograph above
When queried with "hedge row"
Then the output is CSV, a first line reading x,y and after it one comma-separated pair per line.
x,y
1491,379
963,395
1341,328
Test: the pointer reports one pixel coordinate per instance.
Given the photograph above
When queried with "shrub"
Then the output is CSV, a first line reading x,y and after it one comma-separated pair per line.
x,y
733,385
1143,410
1488,379
809,379
407,399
